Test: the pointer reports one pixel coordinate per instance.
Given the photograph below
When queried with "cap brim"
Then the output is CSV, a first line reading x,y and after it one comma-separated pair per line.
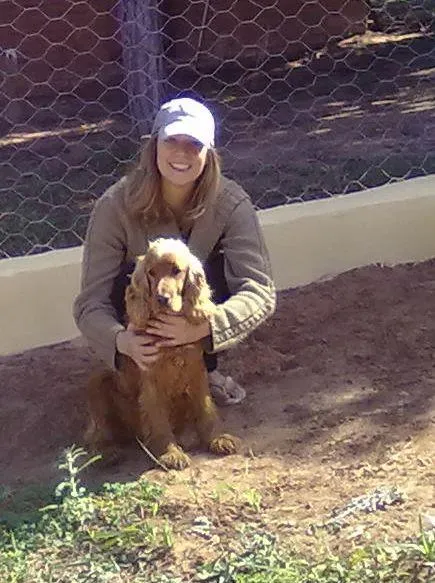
x,y
185,128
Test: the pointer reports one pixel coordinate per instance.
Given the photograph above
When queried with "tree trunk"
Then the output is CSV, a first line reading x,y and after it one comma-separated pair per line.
x,y
142,59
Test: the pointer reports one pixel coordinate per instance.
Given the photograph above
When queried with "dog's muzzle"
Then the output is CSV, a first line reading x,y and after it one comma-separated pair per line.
x,y
163,300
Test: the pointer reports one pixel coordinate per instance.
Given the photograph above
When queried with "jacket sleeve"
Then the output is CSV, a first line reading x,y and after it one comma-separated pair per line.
x,y
249,279
104,251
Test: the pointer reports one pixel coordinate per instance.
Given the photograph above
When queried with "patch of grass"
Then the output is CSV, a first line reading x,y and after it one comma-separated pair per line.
x,y
21,506
85,536
121,534
253,498
263,561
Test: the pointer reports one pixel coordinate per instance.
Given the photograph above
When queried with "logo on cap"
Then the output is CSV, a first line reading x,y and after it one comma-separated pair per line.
x,y
185,116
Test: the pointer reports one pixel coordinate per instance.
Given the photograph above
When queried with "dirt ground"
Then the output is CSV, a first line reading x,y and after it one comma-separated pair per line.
x,y
341,387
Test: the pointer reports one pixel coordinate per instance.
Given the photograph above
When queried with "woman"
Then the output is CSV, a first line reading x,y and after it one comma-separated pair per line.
x,y
176,190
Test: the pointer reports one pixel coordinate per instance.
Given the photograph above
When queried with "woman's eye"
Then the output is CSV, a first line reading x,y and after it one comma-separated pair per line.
x,y
196,145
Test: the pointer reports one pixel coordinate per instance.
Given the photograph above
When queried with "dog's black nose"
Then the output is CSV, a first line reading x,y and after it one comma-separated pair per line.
x,y
163,300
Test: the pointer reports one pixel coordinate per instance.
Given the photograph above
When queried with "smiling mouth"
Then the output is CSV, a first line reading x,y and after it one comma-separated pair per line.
x,y
179,167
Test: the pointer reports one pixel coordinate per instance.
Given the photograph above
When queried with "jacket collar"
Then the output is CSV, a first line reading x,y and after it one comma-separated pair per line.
x,y
205,233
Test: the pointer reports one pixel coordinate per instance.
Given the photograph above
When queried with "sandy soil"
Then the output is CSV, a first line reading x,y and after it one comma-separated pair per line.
x,y
341,386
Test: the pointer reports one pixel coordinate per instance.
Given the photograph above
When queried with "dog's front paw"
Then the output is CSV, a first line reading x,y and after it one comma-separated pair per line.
x,y
224,444
174,458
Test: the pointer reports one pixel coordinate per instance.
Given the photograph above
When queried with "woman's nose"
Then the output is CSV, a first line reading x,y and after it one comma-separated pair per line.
x,y
184,148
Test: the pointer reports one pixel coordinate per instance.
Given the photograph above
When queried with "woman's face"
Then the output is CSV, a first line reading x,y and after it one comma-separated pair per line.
x,y
180,159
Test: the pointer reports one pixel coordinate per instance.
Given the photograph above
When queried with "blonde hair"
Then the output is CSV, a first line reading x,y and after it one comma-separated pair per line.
x,y
143,195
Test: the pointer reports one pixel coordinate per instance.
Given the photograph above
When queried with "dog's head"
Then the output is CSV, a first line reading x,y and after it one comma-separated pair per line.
x,y
171,279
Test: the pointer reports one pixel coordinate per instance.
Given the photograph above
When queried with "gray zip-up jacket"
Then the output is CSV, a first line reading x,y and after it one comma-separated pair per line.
x,y
114,237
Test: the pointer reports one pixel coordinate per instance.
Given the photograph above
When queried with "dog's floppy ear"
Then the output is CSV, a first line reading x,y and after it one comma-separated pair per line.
x,y
197,303
137,294
139,278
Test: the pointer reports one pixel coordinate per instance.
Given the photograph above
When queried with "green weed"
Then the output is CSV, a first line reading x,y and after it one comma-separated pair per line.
x,y
121,534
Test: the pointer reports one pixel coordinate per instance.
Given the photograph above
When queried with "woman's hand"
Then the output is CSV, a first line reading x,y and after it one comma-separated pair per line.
x,y
139,347
176,330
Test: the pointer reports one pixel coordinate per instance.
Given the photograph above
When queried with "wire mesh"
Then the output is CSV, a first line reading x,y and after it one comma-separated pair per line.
x,y
312,98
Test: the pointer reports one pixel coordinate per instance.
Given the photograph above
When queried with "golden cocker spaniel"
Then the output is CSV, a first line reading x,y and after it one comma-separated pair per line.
x,y
157,404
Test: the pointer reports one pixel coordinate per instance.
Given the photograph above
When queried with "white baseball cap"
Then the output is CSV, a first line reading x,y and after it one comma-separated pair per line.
x,y
185,116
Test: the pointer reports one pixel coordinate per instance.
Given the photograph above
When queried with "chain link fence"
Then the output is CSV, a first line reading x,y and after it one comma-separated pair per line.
x,y
312,98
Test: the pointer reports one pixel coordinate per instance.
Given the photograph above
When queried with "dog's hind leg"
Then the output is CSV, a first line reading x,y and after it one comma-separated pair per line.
x,y
105,431
207,422
205,419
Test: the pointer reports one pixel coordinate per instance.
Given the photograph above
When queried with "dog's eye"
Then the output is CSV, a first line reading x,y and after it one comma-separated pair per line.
x,y
175,270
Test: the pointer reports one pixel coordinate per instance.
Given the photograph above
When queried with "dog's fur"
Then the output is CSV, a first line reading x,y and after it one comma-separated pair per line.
x,y
156,405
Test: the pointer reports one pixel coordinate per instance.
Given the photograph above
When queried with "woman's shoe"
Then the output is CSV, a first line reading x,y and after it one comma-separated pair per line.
x,y
225,390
